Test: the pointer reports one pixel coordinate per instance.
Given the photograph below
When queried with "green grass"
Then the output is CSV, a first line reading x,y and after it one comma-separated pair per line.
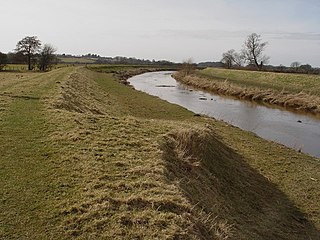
x,y
85,157
293,83
138,104
30,184
16,67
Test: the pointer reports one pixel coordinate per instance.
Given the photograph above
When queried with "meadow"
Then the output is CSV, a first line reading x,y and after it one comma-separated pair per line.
x,y
293,83
84,156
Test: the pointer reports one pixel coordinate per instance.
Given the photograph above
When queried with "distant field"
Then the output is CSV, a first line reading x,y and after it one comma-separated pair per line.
x,y
76,60
111,68
294,83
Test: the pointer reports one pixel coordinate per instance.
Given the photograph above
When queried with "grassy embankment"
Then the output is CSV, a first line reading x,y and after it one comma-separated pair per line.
x,y
83,156
295,91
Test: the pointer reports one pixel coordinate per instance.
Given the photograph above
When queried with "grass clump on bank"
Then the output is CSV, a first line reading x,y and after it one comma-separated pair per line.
x,y
97,159
295,91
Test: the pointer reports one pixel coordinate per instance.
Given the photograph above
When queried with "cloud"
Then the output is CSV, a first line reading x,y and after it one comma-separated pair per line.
x,y
204,34
212,34
295,36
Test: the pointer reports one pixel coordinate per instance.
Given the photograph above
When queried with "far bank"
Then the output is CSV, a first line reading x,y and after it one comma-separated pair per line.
x,y
293,91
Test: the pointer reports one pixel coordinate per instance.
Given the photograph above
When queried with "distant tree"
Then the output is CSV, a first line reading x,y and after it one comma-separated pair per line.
x,y
17,58
281,68
228,58
295,66
47,57
306,68
239,59
253,51
188,67
231,58
29,46
3,60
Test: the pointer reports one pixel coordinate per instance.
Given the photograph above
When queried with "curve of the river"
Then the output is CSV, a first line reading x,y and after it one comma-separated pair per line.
x,y
301,132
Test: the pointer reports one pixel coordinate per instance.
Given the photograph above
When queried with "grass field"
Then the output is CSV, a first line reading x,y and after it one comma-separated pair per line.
x,y
294,91
293,83
85,157
70,60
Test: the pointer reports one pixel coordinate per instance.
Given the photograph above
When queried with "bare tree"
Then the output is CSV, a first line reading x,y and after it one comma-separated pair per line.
x,y
239,59
188,66
253,51
29,46
231,58
3,60
228,58
47,57
295,66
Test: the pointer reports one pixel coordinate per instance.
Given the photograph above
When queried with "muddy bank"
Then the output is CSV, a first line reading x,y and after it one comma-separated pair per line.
x,y
300,101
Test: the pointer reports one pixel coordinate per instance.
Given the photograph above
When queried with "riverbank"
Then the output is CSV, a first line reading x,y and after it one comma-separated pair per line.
x,y
293,91
123,72
106,161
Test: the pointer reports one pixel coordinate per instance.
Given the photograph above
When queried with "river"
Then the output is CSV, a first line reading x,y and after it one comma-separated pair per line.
x,y
298,131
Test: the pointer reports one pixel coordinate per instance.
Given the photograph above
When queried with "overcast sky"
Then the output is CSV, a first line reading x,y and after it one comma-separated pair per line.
x,y
166,29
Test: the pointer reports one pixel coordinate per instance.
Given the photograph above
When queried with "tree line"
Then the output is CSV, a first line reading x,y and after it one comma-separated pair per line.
x,y
30,50
252,56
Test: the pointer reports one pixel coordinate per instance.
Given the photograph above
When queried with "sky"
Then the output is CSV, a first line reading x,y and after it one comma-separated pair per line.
x,y
174,30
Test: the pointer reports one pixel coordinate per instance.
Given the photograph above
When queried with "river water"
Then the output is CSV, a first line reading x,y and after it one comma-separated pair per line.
x,y
298,131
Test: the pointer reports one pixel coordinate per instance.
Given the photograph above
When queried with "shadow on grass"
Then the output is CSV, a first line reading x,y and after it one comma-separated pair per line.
x,y
241,203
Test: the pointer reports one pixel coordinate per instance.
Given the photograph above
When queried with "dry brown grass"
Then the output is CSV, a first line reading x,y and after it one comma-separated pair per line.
x,y
298,101
221,184
115,162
